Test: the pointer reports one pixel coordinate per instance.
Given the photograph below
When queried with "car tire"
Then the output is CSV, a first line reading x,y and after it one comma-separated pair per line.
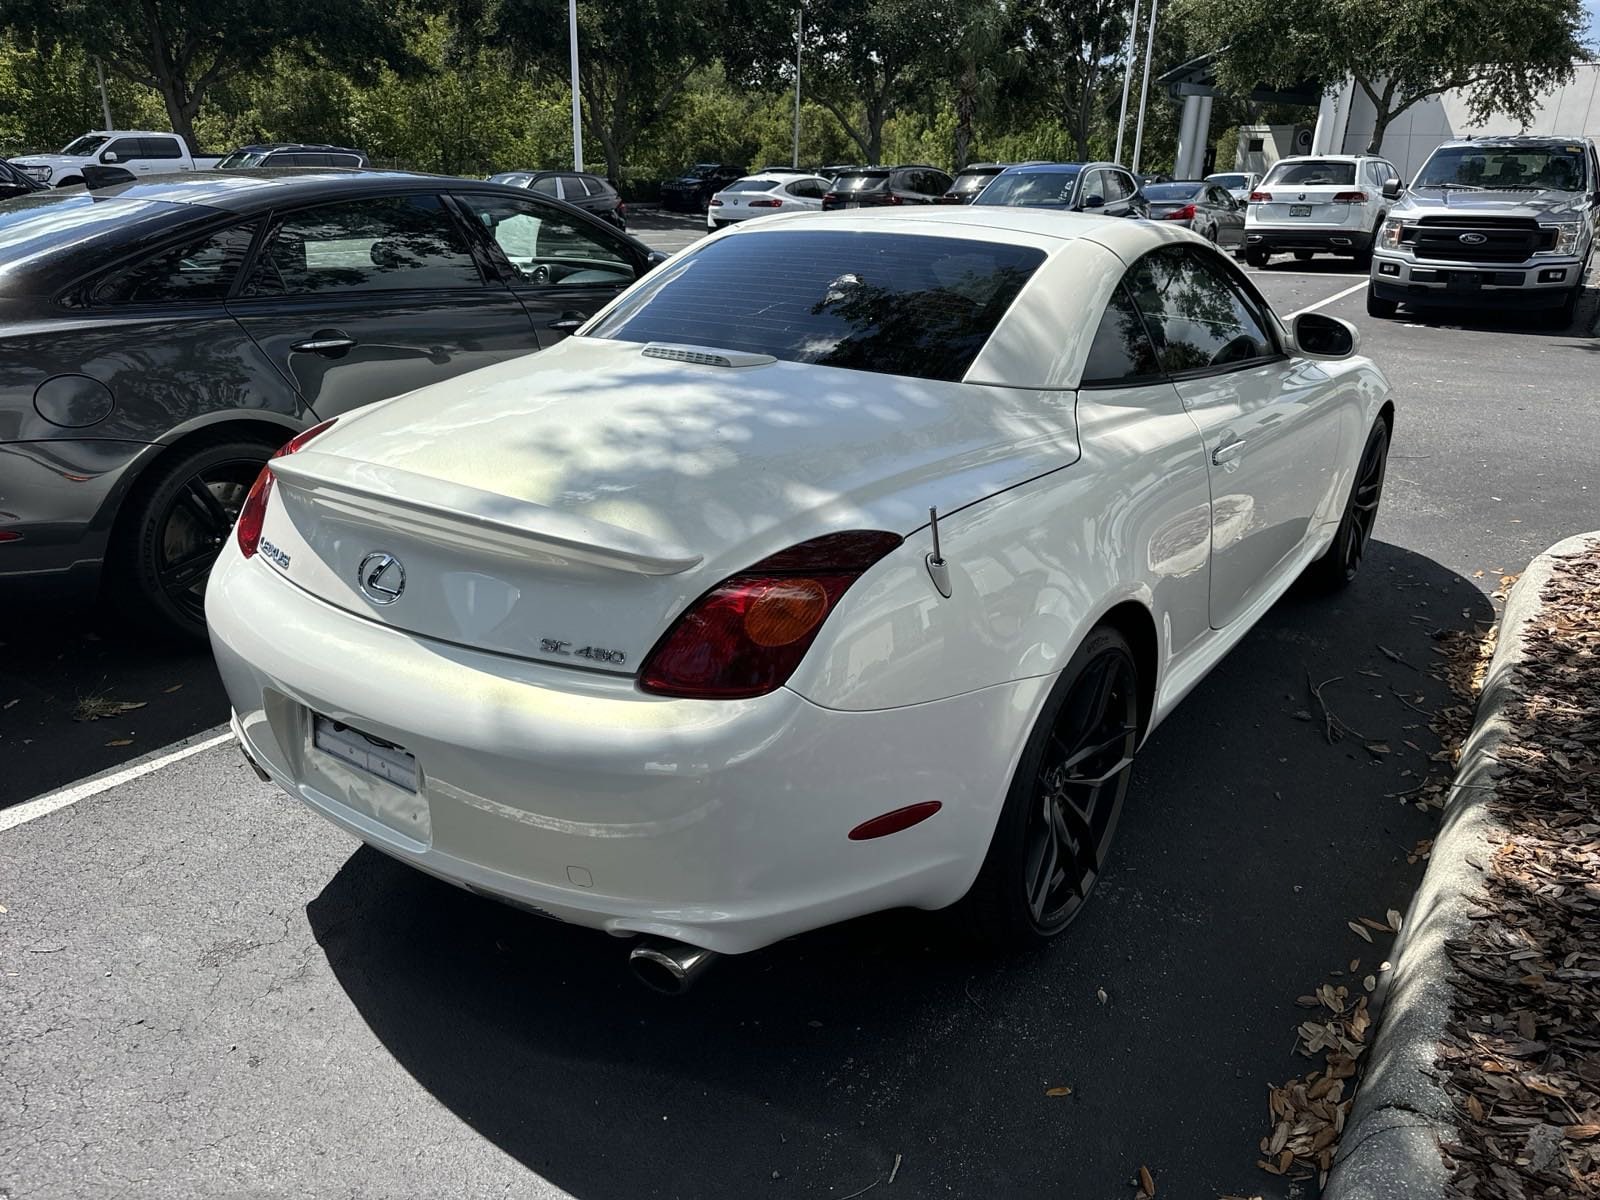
x,y
1046,853
1378,307
168,533
1339,564
1562,316
1257,258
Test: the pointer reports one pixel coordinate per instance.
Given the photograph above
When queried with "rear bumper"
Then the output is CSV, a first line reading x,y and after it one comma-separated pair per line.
x,y
1335,240
721,824
60,498
1538,283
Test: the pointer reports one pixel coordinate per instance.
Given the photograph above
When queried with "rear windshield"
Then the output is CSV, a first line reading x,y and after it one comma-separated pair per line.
x,y
860,183
895,303
1229,181
1171,191
751,185
1505,168
1043,189
1310,174
242,158
969,183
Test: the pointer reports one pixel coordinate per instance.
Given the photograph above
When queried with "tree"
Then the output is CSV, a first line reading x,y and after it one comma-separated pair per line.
x,y
183,49
982,61
1072,46
864,60
635,56
1401,52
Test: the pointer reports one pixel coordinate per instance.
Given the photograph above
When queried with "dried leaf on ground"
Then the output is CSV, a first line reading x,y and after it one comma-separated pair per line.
x,y
1058,1091
1147,1184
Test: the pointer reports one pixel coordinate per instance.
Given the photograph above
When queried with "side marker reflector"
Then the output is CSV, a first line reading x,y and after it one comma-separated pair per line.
x,y
894,822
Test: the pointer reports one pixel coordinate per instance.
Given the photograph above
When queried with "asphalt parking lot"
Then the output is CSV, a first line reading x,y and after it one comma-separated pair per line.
x,y
212,990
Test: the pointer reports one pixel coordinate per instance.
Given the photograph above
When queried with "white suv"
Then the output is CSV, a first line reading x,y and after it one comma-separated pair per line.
x,y
1319,203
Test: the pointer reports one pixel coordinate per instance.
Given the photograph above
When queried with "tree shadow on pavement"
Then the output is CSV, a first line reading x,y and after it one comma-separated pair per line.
x,y
814,1067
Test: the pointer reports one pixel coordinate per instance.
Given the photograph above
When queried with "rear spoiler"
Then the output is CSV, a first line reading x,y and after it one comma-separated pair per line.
x,y
456,514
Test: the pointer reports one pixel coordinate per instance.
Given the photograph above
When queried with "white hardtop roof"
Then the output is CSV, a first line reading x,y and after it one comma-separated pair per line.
x,y
780,176
1294,158
1047,230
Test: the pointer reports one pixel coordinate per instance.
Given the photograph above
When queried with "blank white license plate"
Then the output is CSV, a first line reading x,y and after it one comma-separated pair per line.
x,y
385,760
852,204
1299,210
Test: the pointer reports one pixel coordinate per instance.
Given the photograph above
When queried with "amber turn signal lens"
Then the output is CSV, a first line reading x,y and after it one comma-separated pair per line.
x,y
785,611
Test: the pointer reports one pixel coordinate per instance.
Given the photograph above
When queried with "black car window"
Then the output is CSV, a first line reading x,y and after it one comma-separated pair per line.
x,y
597,186
1198,316
293,159
124,149
549,247
900,304
1122,353
1094,186
1043,189
874,182
573,188
384,244
342,160
160,147
808,189
200,269
545,186
1118,186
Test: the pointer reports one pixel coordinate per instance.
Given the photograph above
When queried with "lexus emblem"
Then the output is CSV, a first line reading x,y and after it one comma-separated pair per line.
x,y
382,577
1473,239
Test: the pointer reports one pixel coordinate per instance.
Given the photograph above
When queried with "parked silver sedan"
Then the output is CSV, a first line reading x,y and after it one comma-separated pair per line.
x,y
1204,207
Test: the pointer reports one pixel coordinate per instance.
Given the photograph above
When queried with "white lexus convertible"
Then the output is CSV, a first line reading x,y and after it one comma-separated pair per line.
x,y
842,563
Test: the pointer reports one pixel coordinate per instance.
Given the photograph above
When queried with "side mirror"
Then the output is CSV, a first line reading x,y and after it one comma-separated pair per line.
x,y
1319,336
1391,188
1094,201
654,259
110,156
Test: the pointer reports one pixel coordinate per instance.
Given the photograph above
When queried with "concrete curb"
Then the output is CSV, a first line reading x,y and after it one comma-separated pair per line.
x,y
1390,1147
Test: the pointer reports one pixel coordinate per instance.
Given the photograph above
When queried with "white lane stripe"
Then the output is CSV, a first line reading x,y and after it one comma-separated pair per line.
x,y
1349,291
39,806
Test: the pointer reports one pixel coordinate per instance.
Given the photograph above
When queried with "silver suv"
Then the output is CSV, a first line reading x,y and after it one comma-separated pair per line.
x,y
1492,222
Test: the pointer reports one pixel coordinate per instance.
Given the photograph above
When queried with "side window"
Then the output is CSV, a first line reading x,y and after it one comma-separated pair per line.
x,y
1093,186
1121,352
938,183
545,186
1197,315
197,270
1118,186
572,188
387,244
124,149
160,147
807,189
548,247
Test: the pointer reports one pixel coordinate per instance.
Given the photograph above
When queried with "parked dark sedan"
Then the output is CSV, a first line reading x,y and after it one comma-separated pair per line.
x,y
867,187
162,338
692,191
15,182
1206,208
1074,187
588,192
293,154
971,180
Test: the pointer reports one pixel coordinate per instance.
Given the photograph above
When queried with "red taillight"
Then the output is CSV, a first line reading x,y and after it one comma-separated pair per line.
x,y
10,535
766,204
716,202
746,636
254,510
1186,213
1350,198
894,198
622,209
1261,195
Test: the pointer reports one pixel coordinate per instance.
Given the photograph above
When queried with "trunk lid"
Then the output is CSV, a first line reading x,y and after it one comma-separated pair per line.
x,y
567,507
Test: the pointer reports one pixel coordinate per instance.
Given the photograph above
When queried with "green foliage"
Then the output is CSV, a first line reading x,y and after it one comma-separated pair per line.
x,y
1400,52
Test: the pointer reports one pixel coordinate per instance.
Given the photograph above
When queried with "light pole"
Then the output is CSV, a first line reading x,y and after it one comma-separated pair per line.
x,y
1127,79
799,35
577,105
105,101
1144,90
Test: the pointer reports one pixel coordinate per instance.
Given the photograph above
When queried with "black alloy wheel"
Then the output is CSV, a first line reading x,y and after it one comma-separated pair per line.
x,y
1339,565
173,529
1061,814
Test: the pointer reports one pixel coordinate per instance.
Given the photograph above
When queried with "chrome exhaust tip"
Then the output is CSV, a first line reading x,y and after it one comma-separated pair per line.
x,y
667,966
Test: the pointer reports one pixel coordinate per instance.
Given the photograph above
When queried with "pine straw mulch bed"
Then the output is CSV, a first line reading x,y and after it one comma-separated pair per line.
x,y
1521,1059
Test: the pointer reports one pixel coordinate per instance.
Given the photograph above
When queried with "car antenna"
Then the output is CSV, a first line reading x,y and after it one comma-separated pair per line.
x,y
938,569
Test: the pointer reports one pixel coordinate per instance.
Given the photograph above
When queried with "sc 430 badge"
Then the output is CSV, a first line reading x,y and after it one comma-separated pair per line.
x,y
277,557
592,653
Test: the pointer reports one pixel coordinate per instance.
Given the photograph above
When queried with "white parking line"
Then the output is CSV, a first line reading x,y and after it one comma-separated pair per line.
x,y
1349,291
39,806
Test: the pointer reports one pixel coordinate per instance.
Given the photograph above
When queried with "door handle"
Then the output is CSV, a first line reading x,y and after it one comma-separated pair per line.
x,y
324,341
1227,451
567,322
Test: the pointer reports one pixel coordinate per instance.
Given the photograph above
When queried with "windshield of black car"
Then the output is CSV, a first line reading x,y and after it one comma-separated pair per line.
x,y
85,146
1505,168
242,158
1169,192
1312,174
701,171
1045,189
896,303
860,183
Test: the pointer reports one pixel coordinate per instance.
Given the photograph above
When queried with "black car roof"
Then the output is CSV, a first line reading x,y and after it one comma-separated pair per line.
x,y
245,192
270,147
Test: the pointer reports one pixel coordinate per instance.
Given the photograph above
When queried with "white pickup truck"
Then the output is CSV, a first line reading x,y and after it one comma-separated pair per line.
x,y
141,151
